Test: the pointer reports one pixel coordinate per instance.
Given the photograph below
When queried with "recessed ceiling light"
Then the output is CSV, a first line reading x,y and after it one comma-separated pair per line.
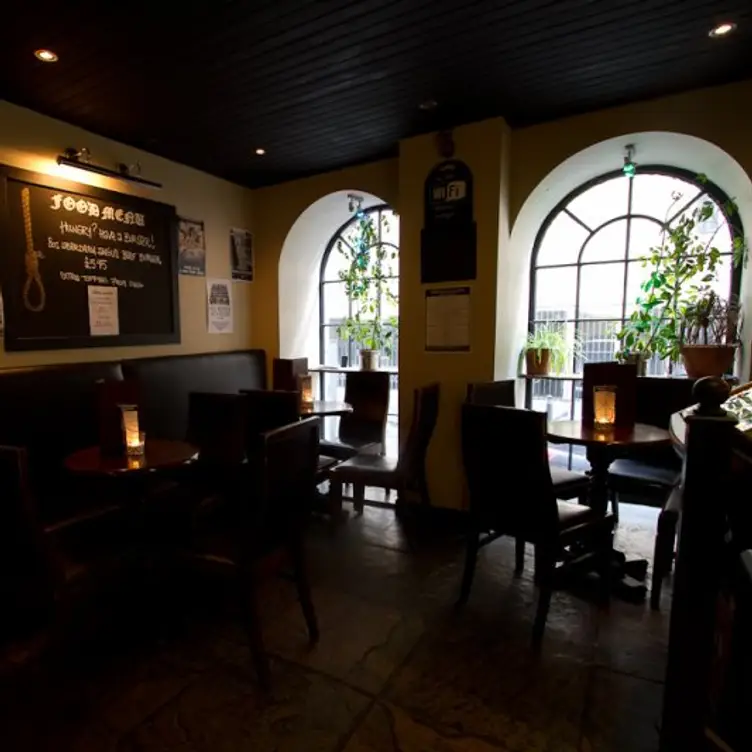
x,y
46,56
261,152
722,30
428,104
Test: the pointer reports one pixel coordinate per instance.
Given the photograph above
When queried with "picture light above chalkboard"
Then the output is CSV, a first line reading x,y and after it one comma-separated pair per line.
x,y
80,159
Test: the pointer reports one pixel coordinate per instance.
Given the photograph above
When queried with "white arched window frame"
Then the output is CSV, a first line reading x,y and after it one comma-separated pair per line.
x,y
585,273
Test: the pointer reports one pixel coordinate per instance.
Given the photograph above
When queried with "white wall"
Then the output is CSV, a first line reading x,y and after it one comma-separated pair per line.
x,y
672,149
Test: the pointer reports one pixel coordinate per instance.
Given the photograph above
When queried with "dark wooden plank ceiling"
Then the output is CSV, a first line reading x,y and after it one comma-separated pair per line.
x,y
321,84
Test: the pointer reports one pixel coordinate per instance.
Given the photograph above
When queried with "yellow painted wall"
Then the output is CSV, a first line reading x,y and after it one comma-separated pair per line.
x,y
481,146
276,209
719,115
31,141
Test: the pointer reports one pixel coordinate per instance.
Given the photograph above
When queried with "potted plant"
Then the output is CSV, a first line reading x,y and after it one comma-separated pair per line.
x,y
367,274
709,335
547,349
682,268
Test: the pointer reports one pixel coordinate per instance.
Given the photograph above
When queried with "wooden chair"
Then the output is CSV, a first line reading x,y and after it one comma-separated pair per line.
x,y
285,373
500,444
266,410
262,515
364,429
492,393
651,475
405,473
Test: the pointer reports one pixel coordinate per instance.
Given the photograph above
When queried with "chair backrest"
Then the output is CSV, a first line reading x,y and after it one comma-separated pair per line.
x,y
492,393
504,453
283,474
25,566
368,393
267,410
425,414
285,373
216,425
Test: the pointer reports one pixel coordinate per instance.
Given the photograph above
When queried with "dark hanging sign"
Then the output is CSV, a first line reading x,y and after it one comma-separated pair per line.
x,y
85,267
448,239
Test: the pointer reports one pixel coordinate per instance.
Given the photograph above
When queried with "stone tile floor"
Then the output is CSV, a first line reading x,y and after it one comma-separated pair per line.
x,y
396,670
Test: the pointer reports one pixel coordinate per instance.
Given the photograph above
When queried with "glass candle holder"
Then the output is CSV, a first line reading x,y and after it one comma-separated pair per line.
x,y
305,386
133,438
604,406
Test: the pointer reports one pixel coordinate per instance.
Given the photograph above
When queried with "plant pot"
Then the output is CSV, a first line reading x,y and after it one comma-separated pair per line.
x,y
639,361
707,360
538,362
369,360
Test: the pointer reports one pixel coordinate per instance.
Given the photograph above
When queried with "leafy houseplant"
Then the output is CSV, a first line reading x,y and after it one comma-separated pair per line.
x,y
366,273
710,329
682,268
547,350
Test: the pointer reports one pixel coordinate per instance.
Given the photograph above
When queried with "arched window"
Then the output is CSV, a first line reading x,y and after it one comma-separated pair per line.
x,y
371,230
586,273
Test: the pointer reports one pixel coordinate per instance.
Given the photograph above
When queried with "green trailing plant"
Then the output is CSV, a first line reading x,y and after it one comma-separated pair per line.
x,y
366,274
682,269
553,339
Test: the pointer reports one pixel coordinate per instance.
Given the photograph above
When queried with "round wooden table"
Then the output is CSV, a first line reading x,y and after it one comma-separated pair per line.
x,y
159,454
603,447
323,408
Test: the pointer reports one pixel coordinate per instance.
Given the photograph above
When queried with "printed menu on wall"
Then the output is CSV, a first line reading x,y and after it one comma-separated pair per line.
x,y
85,267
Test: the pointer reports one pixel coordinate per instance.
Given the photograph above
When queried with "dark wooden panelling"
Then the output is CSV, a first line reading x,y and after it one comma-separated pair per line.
x,y
326,83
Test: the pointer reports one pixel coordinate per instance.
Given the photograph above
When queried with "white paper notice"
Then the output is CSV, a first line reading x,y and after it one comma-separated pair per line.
x,y
219,306
448,319
103,311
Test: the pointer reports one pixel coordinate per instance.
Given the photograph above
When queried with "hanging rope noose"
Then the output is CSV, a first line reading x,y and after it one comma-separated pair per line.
x,y
31,259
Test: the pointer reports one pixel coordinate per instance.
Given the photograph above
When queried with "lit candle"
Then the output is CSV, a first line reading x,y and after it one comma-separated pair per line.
x,y
305,385
134,444
604,406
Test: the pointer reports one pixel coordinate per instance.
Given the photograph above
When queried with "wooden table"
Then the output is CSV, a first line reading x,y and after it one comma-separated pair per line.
x,y
323,408
159,454
604,446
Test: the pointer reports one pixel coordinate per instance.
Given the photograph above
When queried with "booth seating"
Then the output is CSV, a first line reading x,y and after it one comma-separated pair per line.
x,y
51,411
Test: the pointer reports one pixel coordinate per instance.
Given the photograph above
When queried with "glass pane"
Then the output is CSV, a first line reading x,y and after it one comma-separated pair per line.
x,y
601,291
390,300
553,397
555,291
334,349
714,230
608,243
390,260
335,302
390,227
562,242
602,202
598,339
660,196
636,275
338,260
644,235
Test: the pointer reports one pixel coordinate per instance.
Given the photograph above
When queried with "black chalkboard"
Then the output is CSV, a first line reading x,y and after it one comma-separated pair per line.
x,y
59,238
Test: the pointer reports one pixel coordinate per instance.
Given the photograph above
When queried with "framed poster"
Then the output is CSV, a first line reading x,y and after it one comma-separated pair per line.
x,y
448,319
59,239
241,255
191,248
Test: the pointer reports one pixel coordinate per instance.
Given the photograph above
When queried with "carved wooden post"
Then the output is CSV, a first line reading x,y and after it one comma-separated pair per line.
x,y
697,579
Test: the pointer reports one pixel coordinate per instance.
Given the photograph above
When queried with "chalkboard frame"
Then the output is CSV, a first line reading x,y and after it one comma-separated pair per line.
x,y
16,343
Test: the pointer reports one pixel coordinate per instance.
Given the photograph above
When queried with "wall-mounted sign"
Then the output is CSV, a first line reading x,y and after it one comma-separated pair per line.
x,y
448,239
241,255
61,239
191,248
219,306
448,319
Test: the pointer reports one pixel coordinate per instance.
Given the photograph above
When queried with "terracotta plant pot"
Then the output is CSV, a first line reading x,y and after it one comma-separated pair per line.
x,y
369,360
707,360
538,362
